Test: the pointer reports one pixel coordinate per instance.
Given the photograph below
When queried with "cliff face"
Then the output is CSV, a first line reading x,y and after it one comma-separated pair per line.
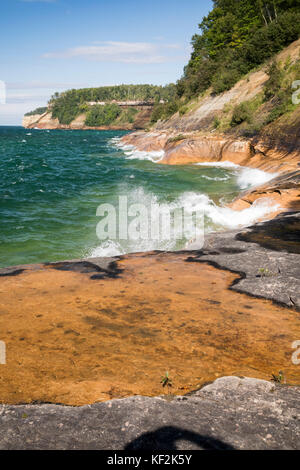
x,y
197,136
46,121
41,121
275,148
202,112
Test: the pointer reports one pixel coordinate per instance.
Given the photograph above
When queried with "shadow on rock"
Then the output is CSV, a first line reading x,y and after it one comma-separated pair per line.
x,y
280,234
165,439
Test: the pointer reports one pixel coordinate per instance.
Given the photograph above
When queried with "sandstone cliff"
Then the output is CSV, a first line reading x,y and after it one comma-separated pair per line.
x,y
274,147
201,112
46,121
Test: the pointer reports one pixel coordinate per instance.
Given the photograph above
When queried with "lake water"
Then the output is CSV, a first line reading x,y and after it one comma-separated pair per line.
x,y
51,183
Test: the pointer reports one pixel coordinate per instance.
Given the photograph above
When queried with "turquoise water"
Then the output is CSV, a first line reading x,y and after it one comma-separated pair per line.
x,y
51,183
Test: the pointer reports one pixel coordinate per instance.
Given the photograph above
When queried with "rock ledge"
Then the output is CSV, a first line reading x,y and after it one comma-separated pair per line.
x,y
231,413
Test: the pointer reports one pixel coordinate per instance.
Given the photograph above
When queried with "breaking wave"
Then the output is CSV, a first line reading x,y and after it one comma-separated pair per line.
x,y
216,218
246,177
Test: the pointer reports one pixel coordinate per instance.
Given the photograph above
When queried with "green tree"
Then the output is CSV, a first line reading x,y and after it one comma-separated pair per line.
x,y
102,115
236,36
273,85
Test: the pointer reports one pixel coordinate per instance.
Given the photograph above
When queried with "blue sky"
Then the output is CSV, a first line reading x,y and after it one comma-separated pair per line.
x,y
53,45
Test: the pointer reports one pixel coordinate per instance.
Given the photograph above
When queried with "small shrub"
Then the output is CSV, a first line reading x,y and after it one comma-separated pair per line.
x,y
264,272
164,111
216,123
282,105
288,63
166,381
240,114
128,116
157,113
253,129
273,85
225,80
177,138
183,110
280,378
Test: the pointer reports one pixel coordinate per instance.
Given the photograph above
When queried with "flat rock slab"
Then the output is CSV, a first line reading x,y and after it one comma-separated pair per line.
x,y
231,413
83,332
265,255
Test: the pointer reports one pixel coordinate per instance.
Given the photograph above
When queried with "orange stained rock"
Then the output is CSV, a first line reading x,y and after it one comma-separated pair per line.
x,y
74,340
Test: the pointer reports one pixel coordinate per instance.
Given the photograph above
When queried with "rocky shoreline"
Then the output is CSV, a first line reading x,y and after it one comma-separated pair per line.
x,y
233,310
89,341
232,313
283,190
194,148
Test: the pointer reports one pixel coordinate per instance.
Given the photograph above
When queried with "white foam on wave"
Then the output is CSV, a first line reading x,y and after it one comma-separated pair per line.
x,y
117,142
246,177
225,164
249,177
216,218
154,156
107,249
132,153
216,178
224,216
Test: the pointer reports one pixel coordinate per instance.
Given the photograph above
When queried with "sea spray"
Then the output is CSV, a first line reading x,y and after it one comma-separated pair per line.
x,y
52,185
216,218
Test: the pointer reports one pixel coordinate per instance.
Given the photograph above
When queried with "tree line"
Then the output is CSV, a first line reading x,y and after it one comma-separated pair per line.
x,y
235,37
66,106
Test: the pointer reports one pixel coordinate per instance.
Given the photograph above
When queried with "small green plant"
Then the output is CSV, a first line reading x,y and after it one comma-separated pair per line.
x,y
264,272
216,123
278,378
288,62
183,110
166,381
177,138
283,105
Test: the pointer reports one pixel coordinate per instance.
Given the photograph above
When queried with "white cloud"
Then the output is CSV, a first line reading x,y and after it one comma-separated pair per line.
x,y
115,51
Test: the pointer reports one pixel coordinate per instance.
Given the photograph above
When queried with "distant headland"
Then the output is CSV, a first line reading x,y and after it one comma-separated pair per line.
x,y
122,107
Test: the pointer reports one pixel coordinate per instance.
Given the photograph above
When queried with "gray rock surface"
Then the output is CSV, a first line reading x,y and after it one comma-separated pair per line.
x,y
231,413
272,246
